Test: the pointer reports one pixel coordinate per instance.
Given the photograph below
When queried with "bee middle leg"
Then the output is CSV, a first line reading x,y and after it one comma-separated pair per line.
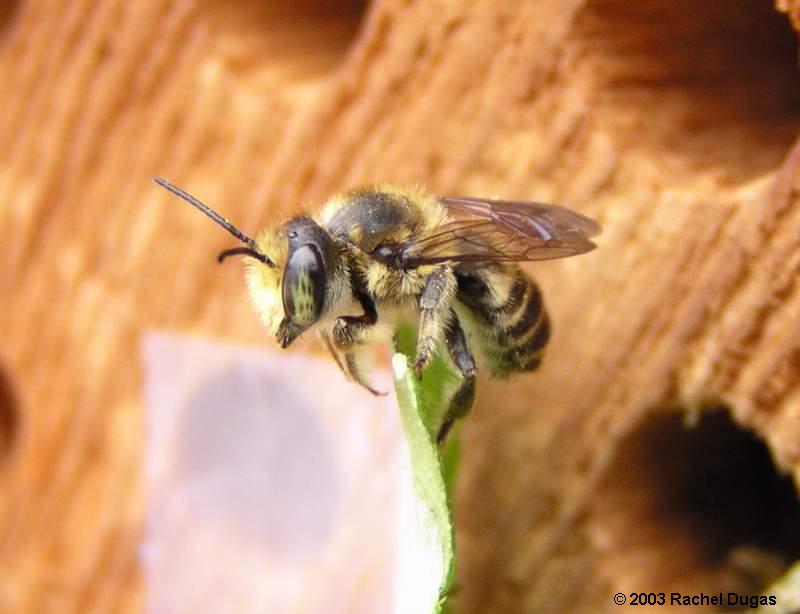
x,y
435,314
464,396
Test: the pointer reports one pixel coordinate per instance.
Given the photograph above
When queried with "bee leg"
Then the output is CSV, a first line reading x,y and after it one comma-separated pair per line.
x,y
326,341
354,373
350,331
464,396
435,314
355,330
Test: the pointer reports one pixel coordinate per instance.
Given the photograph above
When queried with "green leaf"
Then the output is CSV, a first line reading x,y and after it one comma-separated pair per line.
x,y
427,546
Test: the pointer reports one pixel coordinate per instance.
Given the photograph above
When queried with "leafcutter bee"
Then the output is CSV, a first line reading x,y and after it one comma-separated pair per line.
x,y
373,257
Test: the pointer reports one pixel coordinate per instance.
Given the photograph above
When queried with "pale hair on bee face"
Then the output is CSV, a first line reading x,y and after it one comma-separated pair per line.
x,y
264,282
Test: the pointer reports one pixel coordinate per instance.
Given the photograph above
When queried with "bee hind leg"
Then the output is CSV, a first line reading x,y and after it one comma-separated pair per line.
x,y
464,396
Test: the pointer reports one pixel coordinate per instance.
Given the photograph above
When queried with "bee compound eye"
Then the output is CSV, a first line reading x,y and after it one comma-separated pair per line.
x,y
304,285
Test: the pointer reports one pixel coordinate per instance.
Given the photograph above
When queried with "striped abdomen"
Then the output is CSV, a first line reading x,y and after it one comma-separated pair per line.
x,y
509,315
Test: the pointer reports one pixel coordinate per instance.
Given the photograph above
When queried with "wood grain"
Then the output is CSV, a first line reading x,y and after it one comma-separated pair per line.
x,y
672,124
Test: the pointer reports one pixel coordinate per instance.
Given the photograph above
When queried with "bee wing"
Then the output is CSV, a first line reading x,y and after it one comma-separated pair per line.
x,y
502,231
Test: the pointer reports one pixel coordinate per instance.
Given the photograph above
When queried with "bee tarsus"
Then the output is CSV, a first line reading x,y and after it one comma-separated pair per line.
x,y
464,396
355,375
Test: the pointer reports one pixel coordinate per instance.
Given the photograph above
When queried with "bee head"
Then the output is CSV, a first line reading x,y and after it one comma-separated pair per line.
x,y
304,284
291,297
288,287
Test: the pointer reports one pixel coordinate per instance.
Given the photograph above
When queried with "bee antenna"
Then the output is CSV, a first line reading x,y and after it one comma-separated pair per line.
x,y
250,250
244,251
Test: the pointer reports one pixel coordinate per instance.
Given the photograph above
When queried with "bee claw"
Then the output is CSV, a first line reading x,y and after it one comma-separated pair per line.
x,y
418,368
373,391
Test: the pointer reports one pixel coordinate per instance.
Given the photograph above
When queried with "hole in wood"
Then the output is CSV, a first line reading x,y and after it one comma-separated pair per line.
x,y
698,508
9,418
697,85
8,10
284,42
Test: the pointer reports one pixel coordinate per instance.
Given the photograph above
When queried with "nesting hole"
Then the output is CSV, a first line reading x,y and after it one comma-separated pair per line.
x,y
697,85
8,11
9,417
698,508
288,42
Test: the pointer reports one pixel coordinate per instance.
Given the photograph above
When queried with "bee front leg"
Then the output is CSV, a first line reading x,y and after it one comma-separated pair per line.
x,y
354,373
326,341
352,331
464,396
435,314
346,336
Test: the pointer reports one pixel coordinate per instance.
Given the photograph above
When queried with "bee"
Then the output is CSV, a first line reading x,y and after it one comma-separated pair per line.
x,y
377,256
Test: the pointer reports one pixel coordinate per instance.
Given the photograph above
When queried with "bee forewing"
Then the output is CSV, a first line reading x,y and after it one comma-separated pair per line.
x,y
484,230
527,217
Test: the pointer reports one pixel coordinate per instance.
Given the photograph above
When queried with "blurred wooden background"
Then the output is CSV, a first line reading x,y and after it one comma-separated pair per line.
x,y
672,122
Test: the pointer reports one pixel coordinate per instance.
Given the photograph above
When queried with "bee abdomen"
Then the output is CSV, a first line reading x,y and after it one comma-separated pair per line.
x,y
514,327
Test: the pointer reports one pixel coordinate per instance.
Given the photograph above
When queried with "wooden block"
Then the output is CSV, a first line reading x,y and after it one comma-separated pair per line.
x,y
672,122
